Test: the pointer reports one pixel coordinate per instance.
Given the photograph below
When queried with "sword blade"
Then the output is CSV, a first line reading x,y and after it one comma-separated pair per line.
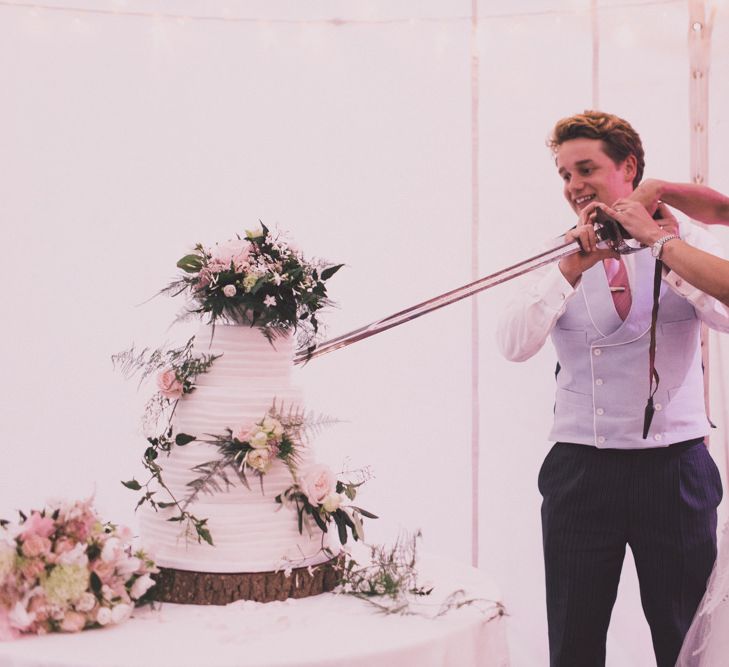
x,y
418,310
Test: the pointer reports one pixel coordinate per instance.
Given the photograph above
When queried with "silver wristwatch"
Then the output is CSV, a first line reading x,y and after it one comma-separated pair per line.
x,y
657,247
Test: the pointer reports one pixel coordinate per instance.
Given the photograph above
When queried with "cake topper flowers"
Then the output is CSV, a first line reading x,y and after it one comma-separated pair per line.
x,y
261,280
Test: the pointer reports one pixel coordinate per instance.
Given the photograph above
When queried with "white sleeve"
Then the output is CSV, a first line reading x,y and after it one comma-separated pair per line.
x,y
708,309
527,321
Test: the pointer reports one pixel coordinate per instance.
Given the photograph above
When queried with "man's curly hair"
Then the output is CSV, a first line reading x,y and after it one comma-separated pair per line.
x,y
618,137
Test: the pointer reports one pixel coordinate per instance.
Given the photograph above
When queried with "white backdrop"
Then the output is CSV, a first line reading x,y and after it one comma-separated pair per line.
x,y
125,139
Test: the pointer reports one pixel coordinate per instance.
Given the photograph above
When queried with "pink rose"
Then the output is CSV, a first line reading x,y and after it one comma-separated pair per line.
x,y
37,525
169,385
73,621
35,545
244,432
318,483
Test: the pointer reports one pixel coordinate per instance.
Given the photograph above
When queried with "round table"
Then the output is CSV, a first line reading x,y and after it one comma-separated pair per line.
x,y
327,630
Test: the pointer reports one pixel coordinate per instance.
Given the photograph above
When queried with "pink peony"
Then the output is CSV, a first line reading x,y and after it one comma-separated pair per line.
x,y
34,545
37,525
73,621
318,482
169,385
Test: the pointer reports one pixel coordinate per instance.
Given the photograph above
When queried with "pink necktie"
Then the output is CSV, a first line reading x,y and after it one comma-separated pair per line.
x,y
619,286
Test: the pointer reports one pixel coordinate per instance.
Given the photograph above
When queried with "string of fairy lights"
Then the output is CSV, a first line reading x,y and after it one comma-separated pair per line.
x,y
226,15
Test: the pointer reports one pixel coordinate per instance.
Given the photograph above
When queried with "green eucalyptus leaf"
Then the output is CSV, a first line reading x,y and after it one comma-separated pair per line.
x,y
190,263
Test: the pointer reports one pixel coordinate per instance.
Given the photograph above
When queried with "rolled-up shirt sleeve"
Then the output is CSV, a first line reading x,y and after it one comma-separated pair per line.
x,y
528,320
708,309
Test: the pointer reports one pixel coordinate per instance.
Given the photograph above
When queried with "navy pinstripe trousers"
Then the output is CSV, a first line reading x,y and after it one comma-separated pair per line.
x,y
662,502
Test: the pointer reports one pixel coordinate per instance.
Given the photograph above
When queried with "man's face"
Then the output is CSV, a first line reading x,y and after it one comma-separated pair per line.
x,y
589,174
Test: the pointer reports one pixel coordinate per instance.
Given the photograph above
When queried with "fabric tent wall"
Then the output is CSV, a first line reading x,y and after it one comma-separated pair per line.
x,y
126,138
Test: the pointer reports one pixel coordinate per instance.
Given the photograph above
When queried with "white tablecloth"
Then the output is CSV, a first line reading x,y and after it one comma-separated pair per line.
x,y
323,631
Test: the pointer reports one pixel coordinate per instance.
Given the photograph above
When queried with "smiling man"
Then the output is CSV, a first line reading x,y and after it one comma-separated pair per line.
x,y
613,478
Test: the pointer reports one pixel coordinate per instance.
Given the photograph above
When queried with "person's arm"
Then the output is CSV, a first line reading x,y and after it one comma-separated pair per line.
x,y
529,318
524,326
696,201
706,272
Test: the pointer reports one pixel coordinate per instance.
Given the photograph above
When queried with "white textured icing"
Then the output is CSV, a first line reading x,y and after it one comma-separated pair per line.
x,y
250,531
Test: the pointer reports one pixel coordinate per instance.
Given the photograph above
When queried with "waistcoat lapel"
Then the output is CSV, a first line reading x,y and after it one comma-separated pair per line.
x,y
601,309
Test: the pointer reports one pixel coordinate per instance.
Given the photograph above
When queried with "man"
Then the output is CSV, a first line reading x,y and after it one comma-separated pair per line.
x,y
604,485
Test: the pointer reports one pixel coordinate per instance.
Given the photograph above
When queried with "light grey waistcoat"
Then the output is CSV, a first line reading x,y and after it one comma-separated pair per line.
x,y
603,384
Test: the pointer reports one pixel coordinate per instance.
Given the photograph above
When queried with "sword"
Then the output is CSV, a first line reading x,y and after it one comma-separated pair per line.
x,y
607,230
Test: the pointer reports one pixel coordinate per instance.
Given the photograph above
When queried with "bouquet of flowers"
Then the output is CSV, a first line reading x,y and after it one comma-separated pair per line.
x,y
260,280
319,494
63,570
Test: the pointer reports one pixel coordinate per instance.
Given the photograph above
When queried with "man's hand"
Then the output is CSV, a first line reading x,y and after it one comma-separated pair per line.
x,y
632,215
573,266
648,194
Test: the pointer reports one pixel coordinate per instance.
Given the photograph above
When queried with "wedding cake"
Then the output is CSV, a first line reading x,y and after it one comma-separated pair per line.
x,y
236,505
250,531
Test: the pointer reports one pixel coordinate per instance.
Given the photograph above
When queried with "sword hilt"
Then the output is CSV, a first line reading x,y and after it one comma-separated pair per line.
x,y
614,234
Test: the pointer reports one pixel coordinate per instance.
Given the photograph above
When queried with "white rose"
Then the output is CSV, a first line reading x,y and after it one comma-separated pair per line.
x,y
85,603
229,290
106,592
273,426
332,502
103,616
141,586
259,440
259,459
121,613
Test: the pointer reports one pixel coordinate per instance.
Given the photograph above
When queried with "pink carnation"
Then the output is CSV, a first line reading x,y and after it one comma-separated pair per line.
x,y
318,483
36,524
169,385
